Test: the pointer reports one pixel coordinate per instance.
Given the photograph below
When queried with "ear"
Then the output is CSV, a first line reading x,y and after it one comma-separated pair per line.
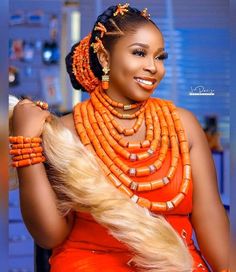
x,y
103,57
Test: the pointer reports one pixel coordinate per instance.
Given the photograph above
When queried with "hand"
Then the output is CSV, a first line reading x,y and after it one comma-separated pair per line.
x,y
28,119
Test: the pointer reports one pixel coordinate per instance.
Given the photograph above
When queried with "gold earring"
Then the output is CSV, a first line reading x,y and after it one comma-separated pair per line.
x,y
105,78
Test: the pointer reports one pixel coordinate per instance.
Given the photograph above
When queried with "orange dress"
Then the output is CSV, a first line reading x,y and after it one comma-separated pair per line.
x,y
89,247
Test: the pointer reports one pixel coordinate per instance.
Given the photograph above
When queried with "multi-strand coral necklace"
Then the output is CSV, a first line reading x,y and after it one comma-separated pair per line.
x,y
100,133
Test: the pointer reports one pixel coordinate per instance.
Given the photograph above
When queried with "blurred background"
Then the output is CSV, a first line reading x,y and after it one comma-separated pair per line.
x,y
197,38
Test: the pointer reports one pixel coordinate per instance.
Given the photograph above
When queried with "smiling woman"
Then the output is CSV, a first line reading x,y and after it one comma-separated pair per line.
x,y
130,196
136,64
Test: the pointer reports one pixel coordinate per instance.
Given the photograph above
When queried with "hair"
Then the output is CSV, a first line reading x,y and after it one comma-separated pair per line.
x,y
80,185
116,27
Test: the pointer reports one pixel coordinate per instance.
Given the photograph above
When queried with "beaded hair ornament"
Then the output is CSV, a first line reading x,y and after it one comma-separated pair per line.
x,y
81,66
80,57
121,9
145,14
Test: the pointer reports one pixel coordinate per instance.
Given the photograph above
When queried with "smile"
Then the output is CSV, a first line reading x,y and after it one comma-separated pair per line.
x,y
146,83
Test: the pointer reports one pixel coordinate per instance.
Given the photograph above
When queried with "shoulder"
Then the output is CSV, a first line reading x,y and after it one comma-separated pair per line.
x,y
68,121
187,115
193,128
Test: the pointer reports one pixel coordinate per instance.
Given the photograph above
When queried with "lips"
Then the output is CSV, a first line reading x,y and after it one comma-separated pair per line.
x,y
146,83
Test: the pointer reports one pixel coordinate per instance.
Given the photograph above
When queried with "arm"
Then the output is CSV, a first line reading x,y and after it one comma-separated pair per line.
x,y
37,198
208,217
38,207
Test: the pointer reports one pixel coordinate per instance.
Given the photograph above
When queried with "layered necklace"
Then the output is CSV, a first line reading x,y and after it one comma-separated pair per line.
x,y
101,134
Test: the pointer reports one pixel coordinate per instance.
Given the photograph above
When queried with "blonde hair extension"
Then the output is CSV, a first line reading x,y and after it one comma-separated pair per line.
x,y
80,185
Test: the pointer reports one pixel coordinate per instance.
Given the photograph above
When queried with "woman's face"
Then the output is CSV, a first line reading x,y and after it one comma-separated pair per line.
x,y
136,64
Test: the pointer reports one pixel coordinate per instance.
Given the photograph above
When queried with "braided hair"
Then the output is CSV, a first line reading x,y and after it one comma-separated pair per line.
x,y
116,27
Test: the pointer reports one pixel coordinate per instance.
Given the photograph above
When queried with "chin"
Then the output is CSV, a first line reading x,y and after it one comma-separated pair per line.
x,y
142,97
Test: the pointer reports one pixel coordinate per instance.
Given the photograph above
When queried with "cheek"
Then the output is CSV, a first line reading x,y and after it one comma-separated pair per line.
x,y
124,66
130,67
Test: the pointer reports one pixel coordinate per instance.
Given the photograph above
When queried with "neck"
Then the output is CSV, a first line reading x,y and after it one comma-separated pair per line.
x,y
116,96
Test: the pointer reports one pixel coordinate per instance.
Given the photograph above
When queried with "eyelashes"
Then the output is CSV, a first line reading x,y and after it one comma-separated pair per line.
x,y
142,53
163,56
139,52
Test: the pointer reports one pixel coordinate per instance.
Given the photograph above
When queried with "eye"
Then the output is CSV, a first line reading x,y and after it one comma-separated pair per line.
x,y
139,52
163,56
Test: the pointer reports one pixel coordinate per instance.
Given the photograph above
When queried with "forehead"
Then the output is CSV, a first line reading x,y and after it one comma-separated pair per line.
x,y
145,34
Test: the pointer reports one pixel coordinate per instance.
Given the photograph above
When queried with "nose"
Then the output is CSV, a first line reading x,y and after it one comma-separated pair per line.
x,y
151,65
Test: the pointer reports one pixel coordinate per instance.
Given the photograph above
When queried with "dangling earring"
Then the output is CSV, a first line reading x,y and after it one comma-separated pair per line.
x,y
105,78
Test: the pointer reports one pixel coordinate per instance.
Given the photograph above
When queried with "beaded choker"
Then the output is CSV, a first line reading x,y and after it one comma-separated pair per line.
x,y
101,134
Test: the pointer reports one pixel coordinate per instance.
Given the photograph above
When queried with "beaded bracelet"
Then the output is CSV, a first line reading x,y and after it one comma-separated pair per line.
x,y
26,151
27,156
21,151
24,140
17,146
28,162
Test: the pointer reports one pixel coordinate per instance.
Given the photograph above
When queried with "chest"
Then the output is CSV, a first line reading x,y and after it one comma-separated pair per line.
x,y
140,135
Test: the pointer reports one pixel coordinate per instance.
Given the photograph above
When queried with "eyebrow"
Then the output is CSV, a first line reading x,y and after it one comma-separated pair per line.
x,y
146,46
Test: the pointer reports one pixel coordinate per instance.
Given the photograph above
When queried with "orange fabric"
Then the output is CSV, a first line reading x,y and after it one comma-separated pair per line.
x,y
90,248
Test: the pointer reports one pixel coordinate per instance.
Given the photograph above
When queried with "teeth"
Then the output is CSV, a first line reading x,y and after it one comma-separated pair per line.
x,y
149,83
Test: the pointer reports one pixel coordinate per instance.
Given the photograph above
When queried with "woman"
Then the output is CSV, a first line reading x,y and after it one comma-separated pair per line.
x,y
146,148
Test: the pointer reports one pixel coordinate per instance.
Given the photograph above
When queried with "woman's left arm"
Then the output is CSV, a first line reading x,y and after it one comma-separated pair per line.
x,y
209,218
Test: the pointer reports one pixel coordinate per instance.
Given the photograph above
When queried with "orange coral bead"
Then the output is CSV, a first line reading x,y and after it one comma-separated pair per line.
x,y
175,115
84,138
124,142
37,160
186,158
15,152
187,171
142,156
158,206
184,147
178,125
129,132
145,143
142,171
21,163
185,186
114,180
177,199
164,131
33,140
171,172
134,144
126,190
181,136
144,186
156,184
158,164
105,85
144,202
108,162
125,179
174,161
115,170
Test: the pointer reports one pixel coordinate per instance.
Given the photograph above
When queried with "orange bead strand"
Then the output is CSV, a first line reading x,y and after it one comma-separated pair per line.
x,y
103,137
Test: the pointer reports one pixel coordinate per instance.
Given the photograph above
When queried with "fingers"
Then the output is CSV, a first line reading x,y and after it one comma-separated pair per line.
x,y
49,118
40,104
25,101
46,113
37,106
